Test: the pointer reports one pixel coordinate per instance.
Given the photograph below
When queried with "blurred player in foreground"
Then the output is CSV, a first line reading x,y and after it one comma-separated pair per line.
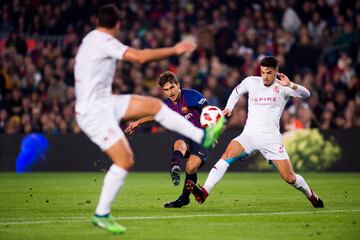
x,y
98,112
268,95
188,103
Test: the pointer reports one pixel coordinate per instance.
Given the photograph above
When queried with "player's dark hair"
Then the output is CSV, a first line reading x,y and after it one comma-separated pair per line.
x,y
269,62
167,77
108,16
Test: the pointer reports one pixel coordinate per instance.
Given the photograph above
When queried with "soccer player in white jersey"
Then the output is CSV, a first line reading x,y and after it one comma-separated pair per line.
x,y
98,112
268,95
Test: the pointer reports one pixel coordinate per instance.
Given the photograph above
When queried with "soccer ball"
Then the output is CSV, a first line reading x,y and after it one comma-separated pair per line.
x,y
210,115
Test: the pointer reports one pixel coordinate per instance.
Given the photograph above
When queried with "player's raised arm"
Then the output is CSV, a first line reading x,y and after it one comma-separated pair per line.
x,y
134,125
238,91
296,90
146,55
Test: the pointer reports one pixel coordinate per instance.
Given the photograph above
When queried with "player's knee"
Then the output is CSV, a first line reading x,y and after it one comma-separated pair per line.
x,y
128,165
180,145
156,104
128,160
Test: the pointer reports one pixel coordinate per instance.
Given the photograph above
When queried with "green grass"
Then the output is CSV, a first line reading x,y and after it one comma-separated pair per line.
x,y
242,206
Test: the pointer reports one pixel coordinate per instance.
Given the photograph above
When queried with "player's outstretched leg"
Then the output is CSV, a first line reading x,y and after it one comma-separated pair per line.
x,y
297,181
108,223
212,133
147,106
199,192
301,185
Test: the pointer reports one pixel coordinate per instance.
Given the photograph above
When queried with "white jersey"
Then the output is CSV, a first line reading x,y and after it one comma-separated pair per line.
x,y
95,69
266,103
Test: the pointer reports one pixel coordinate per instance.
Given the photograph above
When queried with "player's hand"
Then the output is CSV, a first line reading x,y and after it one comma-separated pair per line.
x,y
131,128
226,112
282,79
185,46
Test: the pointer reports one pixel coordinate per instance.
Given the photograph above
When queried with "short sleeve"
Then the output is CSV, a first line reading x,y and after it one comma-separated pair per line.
x,y
115,48
195,99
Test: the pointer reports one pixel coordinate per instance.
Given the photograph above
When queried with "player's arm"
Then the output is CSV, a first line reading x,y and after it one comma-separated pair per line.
x,y
238,91
134,125
146,55
295,90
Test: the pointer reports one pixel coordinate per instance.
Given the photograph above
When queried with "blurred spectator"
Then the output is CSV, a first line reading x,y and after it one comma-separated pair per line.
x,y
289,122
17,42
316,27
56,89
12,126
290,21
3,119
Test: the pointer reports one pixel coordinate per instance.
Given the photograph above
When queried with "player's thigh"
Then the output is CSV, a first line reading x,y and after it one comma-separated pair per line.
x,y
140,106
101,126
234,149
198,151
193,164
245,142
121,154
272,148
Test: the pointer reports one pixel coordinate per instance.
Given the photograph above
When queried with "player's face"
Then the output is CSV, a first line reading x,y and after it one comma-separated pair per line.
x,y
172,91
268,75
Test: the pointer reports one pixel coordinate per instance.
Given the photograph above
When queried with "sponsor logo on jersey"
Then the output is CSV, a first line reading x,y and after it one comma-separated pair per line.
x,y
187,116
263,99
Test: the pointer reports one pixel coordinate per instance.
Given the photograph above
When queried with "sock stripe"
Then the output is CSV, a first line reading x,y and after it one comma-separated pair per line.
x,y
234,159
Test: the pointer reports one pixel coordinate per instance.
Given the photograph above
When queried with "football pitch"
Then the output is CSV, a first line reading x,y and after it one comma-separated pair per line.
x,y
242,206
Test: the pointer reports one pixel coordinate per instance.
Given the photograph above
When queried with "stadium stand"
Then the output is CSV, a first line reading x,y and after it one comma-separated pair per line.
x,y
317,43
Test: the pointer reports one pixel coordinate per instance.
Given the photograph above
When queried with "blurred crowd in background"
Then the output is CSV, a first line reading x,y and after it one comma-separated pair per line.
x,y
316,42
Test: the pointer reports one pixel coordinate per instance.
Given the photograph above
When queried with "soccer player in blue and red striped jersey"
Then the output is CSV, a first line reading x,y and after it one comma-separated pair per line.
x,y
188,103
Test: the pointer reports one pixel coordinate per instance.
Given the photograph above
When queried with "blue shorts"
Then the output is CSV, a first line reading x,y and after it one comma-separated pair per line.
x,y
195,149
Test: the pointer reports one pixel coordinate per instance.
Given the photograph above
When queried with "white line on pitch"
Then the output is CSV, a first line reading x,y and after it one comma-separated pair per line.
x,y
81,219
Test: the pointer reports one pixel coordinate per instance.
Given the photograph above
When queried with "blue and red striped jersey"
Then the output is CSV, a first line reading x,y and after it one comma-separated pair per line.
x,y
190,105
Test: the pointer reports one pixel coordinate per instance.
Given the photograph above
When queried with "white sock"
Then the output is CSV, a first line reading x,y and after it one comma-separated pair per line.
x,y
216,174
175,122
113,181
301,185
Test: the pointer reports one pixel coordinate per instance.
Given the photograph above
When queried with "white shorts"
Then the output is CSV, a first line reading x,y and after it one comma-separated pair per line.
x,y
269,144
101,123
